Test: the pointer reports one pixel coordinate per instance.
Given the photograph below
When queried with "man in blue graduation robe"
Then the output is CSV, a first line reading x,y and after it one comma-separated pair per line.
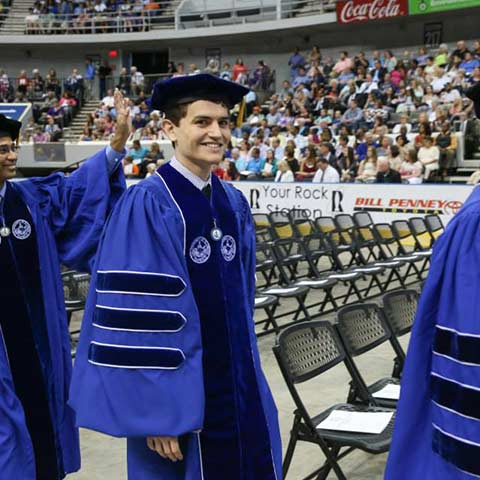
x,y
437,427
45,222
168,355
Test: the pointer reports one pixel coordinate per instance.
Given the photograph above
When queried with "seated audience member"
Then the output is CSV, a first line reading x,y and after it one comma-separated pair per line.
x,y
403,123
40,136
395,158
231,172
151,167
446,141
269,169
411,170
255,164
403,145
327,151
326,173
353,116
308,164
385,174
367,169
137,152
155,153
429,156
290,158
284,173
130,170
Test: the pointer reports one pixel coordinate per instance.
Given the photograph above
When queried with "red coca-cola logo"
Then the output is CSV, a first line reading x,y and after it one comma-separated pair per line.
x,y
370,10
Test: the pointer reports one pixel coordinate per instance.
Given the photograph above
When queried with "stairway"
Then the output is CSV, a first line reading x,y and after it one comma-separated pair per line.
x,y
75,129
14,24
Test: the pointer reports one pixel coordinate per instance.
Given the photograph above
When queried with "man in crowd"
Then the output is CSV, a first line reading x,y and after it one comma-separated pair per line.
x,y
326,173
168,356
385,174
45,222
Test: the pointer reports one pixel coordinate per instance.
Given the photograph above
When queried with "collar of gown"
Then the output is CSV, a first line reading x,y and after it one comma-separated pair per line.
x,y
191,177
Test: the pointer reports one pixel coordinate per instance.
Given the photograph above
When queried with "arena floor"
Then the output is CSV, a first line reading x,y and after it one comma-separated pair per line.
x,y
103,457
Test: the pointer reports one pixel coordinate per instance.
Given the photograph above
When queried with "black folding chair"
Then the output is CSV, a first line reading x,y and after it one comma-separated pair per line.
x,y
435,225
266,265
281,226
362,328
263,228
420,231
303,352
400,308
267,303
75,290
364,223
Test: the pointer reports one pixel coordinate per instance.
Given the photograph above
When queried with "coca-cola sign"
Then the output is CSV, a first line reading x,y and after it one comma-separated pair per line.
x,y
354,11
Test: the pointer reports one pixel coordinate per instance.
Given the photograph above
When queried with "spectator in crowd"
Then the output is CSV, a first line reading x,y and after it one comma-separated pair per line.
x,y
137,80
308,164
290,158
269,169
446,142
255,163
90,72
429,156
130,169
325,173
367,169
386,174
137,152
284,172
395,157
104,71
231,172
296,61
411,170
353,116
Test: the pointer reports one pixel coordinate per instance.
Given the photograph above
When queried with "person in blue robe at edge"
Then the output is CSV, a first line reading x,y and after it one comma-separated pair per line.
x,y
45,222
437,428
168,355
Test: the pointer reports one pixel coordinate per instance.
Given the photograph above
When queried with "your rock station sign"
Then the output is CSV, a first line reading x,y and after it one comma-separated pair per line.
x,y
385,203
356,11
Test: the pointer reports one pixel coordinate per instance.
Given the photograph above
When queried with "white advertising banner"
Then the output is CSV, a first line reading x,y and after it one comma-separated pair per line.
x,y
385,202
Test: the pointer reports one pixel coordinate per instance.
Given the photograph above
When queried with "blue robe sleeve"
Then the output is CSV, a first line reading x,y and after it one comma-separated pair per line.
x,y
76,207
438,413
138,369
248,250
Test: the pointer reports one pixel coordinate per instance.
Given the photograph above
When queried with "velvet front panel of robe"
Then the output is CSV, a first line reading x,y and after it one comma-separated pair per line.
x,y
68,214
136,403
24,331
234,440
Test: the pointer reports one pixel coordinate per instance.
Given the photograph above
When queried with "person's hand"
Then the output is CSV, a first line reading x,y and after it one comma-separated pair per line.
x,y
166,447
124,122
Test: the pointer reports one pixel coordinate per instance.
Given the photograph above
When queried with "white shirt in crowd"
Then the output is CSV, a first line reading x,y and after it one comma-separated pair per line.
x,y
108,101
284,177
329,175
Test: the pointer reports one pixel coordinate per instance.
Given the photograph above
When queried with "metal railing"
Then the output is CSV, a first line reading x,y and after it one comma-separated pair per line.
x,y
172,15
127,19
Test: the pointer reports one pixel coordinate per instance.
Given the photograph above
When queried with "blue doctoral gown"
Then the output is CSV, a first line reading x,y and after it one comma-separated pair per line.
x,y
437,428
168,344
65,219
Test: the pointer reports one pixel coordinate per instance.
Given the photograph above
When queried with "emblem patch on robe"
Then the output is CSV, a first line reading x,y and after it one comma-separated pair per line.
x,y
228,248
21,229
200,250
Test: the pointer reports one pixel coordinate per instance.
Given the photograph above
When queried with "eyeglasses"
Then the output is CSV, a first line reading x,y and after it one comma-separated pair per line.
x,y
6,149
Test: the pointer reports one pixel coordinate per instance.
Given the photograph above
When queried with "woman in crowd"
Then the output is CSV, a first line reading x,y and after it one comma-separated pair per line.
x,y
411,169
367,170
231,173
308,164
290,158
270,167
284,173
395,158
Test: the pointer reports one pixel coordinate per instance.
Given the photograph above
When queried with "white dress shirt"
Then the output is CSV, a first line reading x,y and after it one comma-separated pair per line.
x,y
198,182
329,175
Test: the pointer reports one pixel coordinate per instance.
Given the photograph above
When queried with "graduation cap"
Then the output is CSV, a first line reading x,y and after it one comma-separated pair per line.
x,y
9,128
473,93
190,88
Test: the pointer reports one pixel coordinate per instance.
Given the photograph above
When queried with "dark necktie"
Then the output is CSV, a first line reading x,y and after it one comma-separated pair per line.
x,y
207,190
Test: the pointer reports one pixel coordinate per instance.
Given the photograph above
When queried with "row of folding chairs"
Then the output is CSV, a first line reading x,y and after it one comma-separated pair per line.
x,y
307,350
297,255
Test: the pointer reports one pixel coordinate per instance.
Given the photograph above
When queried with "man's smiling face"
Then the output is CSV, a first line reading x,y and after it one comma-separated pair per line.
x,y
8,159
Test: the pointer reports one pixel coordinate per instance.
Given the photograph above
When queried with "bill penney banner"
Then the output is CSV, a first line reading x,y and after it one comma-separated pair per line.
x,y
385,203
431,6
